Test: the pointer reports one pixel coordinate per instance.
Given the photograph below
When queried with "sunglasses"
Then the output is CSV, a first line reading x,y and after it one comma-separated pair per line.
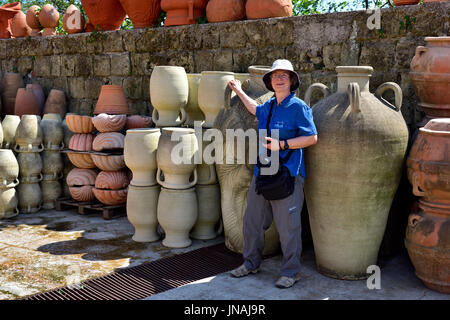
x,y
279,76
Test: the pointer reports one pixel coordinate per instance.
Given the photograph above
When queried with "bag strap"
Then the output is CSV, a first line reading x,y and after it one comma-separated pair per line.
x,y
291,151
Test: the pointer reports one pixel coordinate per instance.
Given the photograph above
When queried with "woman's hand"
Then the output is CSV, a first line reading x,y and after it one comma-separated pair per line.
x,y
235,85
273,144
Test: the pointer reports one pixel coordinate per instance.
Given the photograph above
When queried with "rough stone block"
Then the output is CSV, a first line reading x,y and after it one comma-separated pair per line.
x,y
25,64
280,31
57,44
190,38
113,41
172,37
55,66
68,65
120,64
3,48
42,67
405,51
181,58
243,58
9,65
152,40
138,107
146,88
378,54
92,88
86,107
132,86
61,83
140,64
254,31
83,65
130,39
76,87
223,60
102,65
204,60
231,36
210,36
74,43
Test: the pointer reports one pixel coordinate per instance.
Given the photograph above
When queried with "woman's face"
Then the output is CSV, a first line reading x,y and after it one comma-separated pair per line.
x,y
281,80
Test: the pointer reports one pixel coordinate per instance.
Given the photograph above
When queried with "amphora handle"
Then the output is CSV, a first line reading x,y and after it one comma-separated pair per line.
x,y
319,86
397,93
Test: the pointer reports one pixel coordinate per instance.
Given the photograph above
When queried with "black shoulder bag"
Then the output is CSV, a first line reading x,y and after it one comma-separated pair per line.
x,y
279,185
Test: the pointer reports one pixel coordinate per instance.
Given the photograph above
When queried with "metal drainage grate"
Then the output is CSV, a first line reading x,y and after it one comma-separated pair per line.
x,y
150,278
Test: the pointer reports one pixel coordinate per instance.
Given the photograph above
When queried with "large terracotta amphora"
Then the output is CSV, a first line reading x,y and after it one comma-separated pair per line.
x,y
353,172
8,203
193,112
211,91
30,197
30,167
140,155
430,72
38,94
261,9
104,14
235,178
26,102
111,100
9,126
29,136
209,213
175,157
169,90
180,12
11,83
56,103
9,169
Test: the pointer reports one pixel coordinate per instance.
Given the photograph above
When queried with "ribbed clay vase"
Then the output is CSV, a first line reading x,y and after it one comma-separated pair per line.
x,y
51,191
53,133
29,136
225,10
26,103
79,123
73,20
144,13
209,212
52,165
30,167
111,100
104,14
175,157
211,92
169,91
181,12
11,83
81,142
142,204
30,197
140,155
193,112
9,169
9,125
56,103
261,9
8,203
177,213
362,138
109,122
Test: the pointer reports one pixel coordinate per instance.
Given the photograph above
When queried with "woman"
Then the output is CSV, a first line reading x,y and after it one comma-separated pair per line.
x,y
293,118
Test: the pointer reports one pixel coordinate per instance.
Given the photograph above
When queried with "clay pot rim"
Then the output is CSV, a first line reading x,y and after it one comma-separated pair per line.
x,y
154,186
440,209
430,76
178,129
257,69
143,130
352,70
225,73
434,132
178,190
434,40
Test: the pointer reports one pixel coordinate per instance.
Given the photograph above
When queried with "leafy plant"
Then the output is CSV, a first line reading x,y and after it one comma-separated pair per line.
x,y
407,23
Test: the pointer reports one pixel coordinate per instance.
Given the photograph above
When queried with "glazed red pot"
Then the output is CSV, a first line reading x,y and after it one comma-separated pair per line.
x,y
26,103
405,2
19,26
225,10
49,16
260,9
181,12
144,13
106,14
111,100
7,13
428,244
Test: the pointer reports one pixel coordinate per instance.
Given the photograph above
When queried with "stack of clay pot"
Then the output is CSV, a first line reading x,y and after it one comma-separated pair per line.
x,y
52,161
29,144
9,172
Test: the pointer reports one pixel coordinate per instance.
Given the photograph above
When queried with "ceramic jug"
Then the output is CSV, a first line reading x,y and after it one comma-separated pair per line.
x,y
9,125
29,137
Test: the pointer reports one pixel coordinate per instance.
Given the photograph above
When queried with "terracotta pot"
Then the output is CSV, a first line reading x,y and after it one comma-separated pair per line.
x,y
89,27
104,14
9,127
108,141
81,160
38,94
180,12
19,27
209,212
169,90
82,194
429,162
29,136
405,2
8,203
177,213
9,169
81,177
111,197
46,32
428,244
30,167
79,124
81,142
137,121
53,133
26,102
142,13
52,165
56,103
430,72
261,9
108,162
7,13
112,180
140,155
49,16
73,20
193,112
211,92
32,17
177,171
11,83
225,10
51,191
30,197
142,204
111,101
109,123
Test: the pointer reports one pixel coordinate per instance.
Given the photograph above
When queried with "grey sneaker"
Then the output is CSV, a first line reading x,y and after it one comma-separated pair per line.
x,y
286,282
242,271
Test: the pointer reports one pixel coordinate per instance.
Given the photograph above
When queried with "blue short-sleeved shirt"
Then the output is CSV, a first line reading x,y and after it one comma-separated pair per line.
x,y
293,118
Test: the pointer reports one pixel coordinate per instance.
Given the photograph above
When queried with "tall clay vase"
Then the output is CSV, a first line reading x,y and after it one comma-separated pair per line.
x,y
9,126
142,13
51,191
30,197
430,73
111,100
181,12
169,90
428,244
7,13
193,112
8,203
211,92
11,84
29,136
56,103
52,165
209,212
53,133
363,139
9,169
30,167
73,20
177,213
26,103
104,14
206,170
225,10
142,205
175,157
261,9
39,95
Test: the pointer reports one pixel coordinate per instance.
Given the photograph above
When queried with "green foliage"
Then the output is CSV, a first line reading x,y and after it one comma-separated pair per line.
x,y
407,23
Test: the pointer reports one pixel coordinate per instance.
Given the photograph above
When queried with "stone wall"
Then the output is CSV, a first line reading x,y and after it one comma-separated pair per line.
x,y
80,64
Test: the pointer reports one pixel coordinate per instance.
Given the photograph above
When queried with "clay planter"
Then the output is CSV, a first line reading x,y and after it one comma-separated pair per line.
x,y
9,169
112,180
49,16
109,123
193,112
19,27
405,2
53,133
211,92
111,197
52,165
30,167
144,13
108,141
9,126
142,204
56,103
51,191
108,162
261,9
29,135
430,72
81,142
7,13
176,165
30,197
429,162
81,182
73,20
26,102
81,160
428,244
8,203
140,155
38,94
225,10
181,12
209,212
177,213
169,90
104,14
111,101
79,124
11,83
137,121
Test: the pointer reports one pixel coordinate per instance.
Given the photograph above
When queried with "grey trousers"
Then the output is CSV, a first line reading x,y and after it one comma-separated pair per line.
x,y
257,219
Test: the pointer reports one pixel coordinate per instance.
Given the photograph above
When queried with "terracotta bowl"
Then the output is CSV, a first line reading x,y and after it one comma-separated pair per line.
x,y
111,197
108,163
109,122
81,142
79,124
81,177
112,180
81,160
82,194
108,141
